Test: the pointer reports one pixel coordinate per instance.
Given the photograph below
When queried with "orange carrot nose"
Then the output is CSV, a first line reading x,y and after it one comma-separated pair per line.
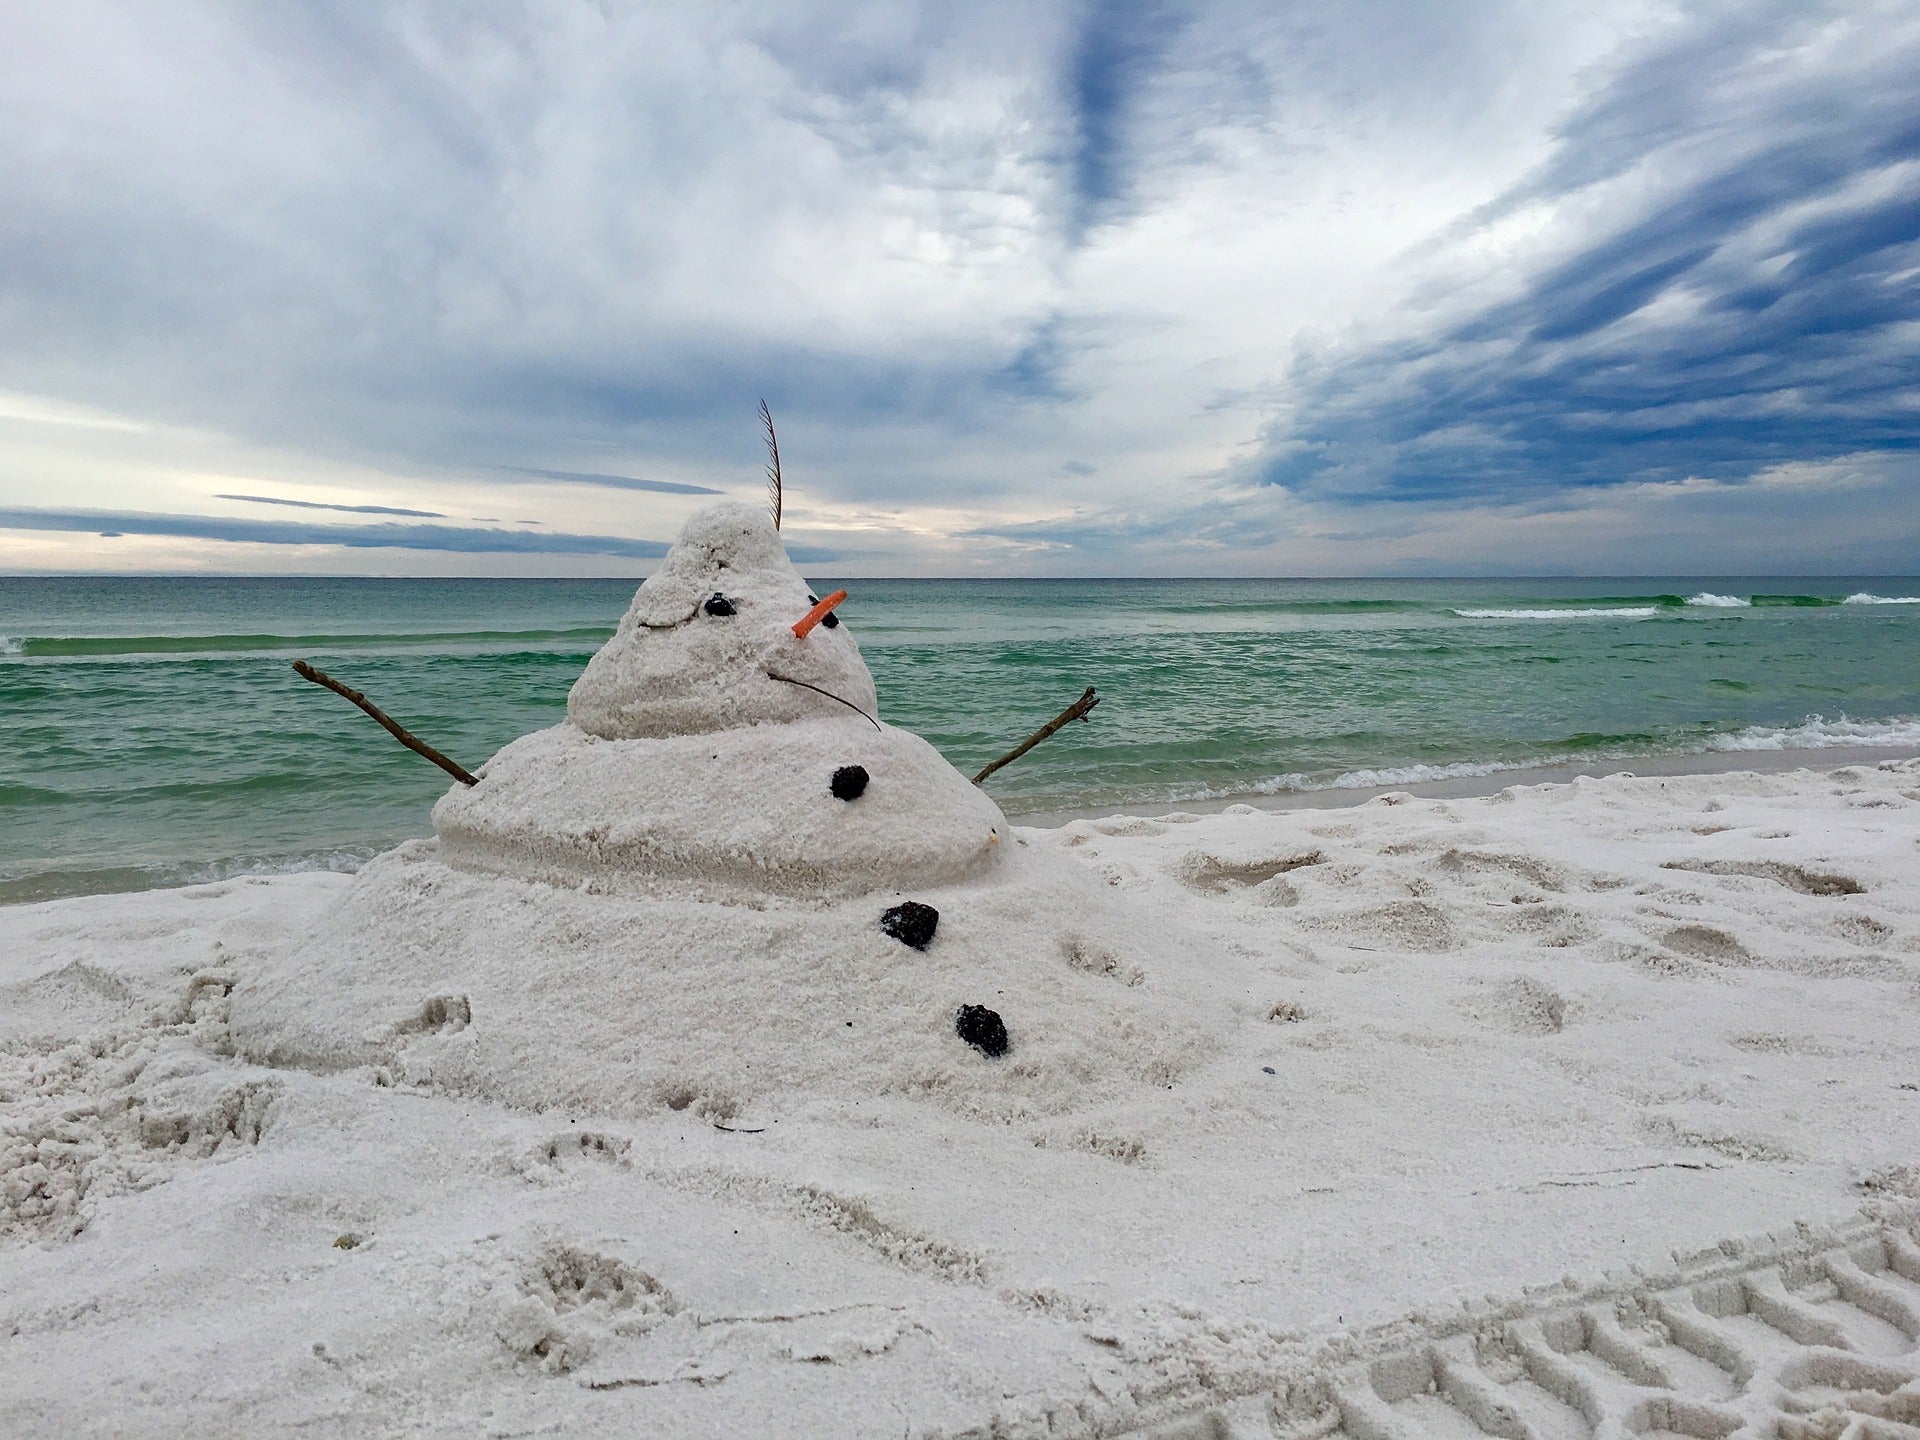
x,y
818,613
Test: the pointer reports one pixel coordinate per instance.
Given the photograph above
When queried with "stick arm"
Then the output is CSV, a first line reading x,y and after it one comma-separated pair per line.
x,y
1076,711
393,727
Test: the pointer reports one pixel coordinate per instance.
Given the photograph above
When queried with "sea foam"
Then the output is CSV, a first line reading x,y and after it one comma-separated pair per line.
x,y
1610,612
1296,782
1863,598
1711,601
1818,733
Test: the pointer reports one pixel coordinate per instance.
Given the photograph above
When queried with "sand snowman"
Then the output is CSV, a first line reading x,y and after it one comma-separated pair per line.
x,y
718,732
724,884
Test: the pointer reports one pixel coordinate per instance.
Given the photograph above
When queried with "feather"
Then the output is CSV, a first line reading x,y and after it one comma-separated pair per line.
x,y
773,463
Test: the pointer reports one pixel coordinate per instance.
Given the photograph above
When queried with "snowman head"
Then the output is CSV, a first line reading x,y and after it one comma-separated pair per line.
x,y
709,643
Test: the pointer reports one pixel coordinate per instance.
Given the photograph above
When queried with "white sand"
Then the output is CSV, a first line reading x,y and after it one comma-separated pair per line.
x,y
1559,1032
612,1110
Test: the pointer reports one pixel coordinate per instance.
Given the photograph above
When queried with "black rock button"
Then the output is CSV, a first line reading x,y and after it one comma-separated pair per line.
x,y
982,1029
718,604
911,923
850,783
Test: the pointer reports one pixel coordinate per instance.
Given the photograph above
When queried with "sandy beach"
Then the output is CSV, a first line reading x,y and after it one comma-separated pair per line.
x,y
1537,1108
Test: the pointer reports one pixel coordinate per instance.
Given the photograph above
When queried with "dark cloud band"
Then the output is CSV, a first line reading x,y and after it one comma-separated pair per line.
x,y
383,536
611,482
348,509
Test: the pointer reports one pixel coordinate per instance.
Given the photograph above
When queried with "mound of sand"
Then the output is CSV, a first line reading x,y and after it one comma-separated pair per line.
x,y
675,899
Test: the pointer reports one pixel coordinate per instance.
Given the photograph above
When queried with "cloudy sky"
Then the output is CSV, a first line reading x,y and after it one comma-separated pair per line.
x,y
1381,287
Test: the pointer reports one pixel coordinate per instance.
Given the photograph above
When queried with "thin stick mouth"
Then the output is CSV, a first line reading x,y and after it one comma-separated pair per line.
x,y
806,685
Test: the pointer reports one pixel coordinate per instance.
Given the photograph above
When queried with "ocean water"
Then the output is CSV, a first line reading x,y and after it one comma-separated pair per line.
x,y
152,731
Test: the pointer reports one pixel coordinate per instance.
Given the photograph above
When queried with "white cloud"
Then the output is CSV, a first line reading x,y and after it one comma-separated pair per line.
x,y
375,255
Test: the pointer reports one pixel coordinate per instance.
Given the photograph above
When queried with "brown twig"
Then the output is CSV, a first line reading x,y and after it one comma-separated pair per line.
x,y
773,463
393,727
1076,711
788,680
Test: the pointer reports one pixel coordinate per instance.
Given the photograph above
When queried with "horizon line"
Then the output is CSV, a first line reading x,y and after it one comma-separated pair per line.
x,y
976,579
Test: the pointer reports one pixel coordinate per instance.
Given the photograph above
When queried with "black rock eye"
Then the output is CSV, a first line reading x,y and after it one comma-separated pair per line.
x,y
718,604
849,782
831,621
983,1029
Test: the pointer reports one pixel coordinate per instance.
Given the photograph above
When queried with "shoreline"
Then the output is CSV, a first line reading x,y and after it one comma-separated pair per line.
x,y
1463,787
31,889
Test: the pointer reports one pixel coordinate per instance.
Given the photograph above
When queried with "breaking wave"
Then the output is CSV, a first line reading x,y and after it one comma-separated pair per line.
x,y
1620,612
1818,733
1646,607
1403,775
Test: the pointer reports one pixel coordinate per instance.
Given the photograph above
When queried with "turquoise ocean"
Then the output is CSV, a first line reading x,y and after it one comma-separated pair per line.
x,y
152,731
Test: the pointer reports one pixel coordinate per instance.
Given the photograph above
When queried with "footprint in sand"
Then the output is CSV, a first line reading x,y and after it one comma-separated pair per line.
x,y
1703,942
1212,875
1107,1144
1473,864
1518,1006
438,1015
124,1109
1400,925
1795,877
568,1302
1096,959
1554,927
1862,930
560,1156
